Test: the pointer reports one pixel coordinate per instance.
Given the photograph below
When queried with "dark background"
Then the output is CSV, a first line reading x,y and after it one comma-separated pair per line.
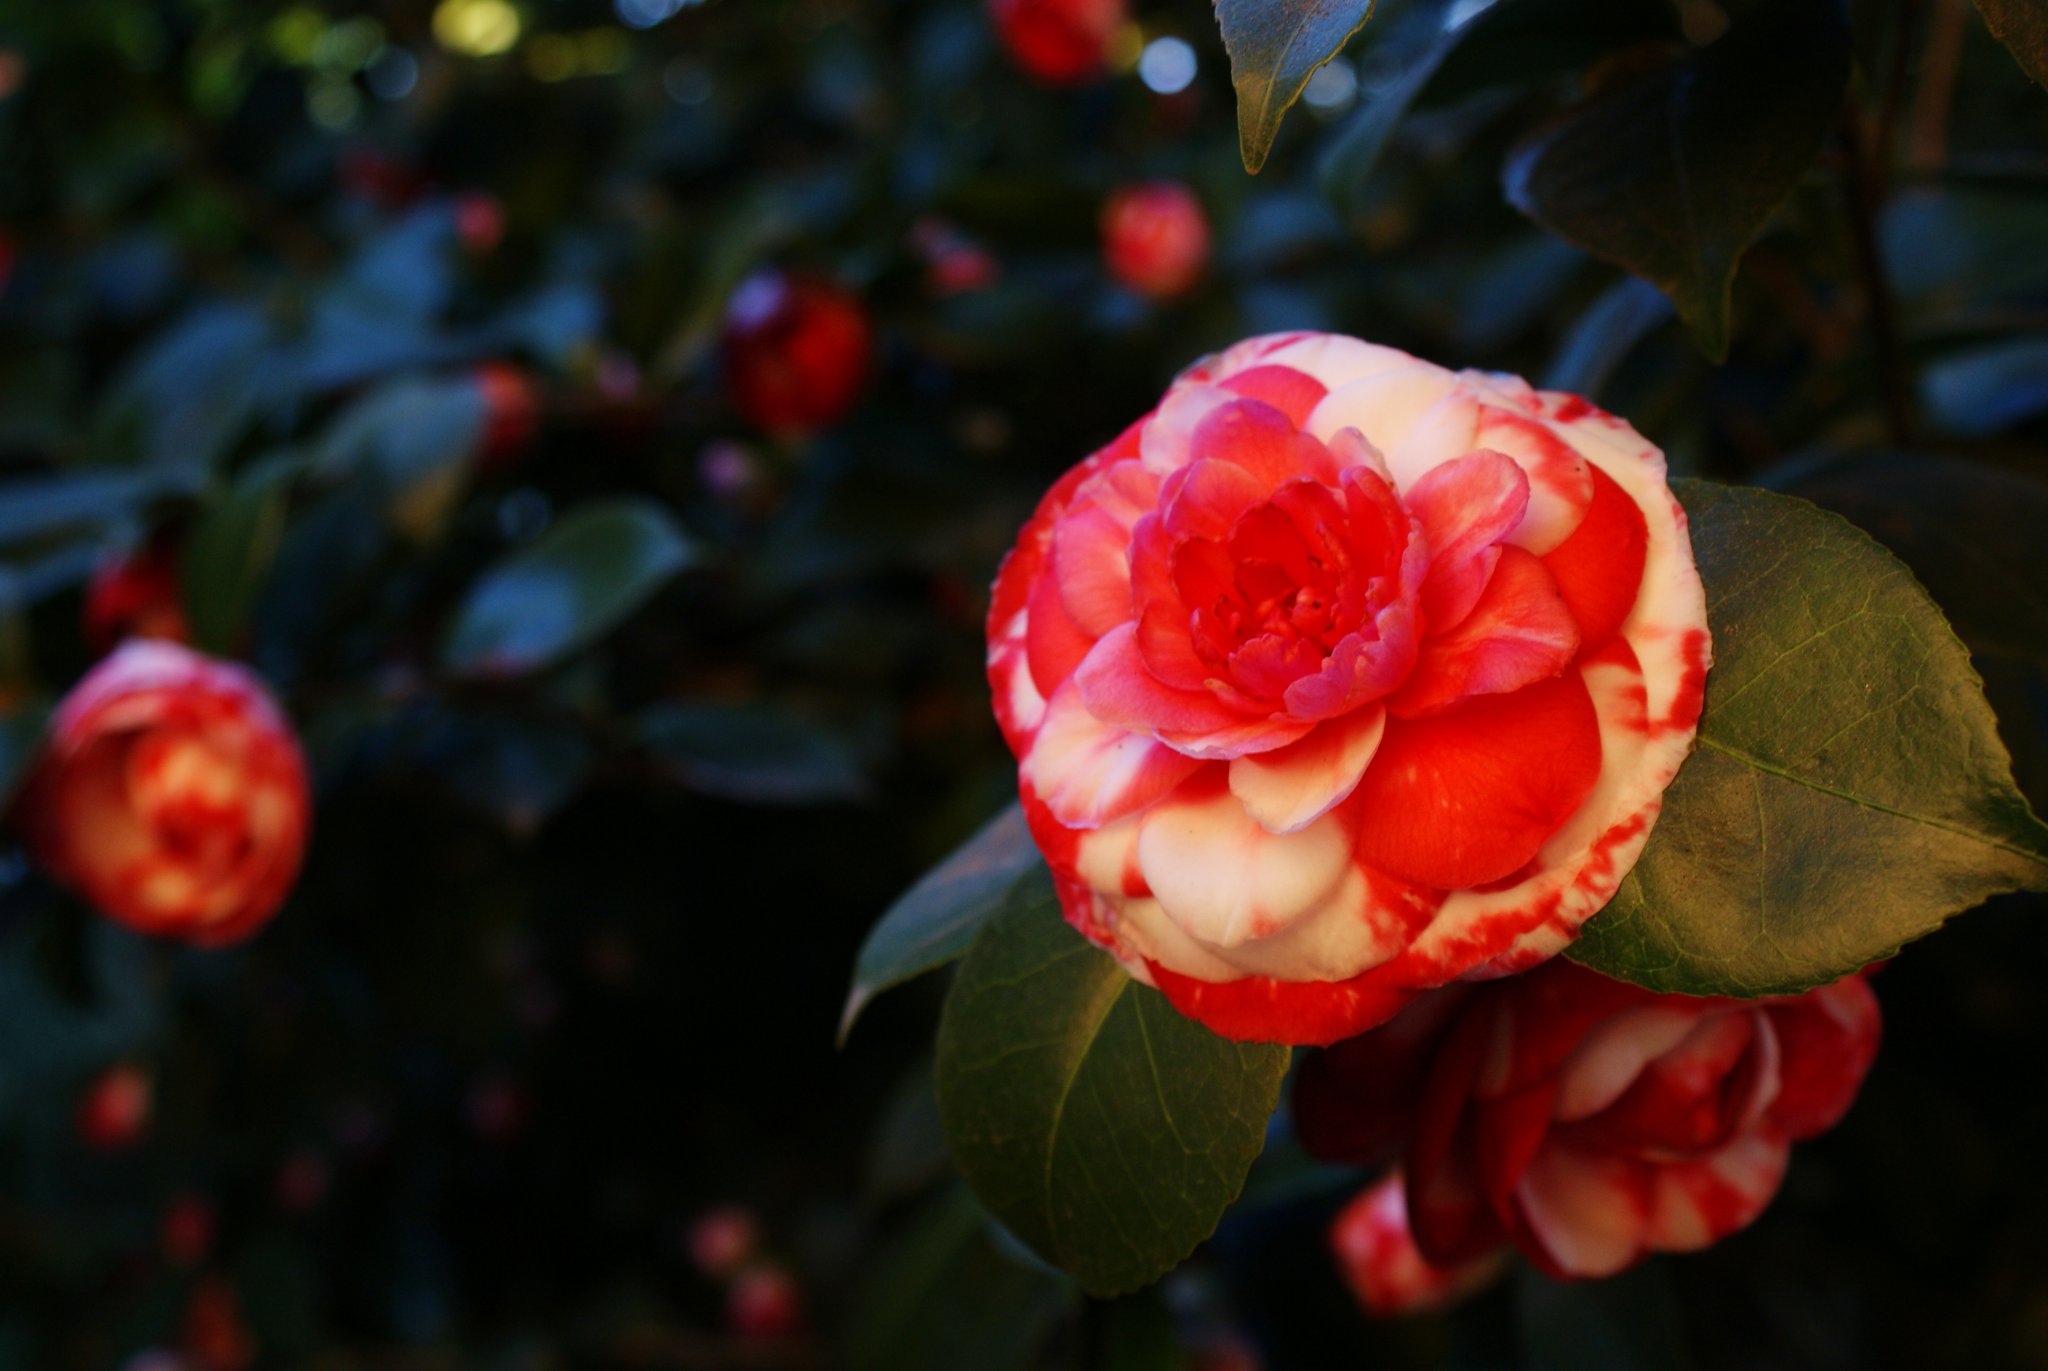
x,y
566,961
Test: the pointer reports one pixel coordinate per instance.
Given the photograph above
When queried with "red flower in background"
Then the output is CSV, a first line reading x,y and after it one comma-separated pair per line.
x,y
1377,1256
1341,676
511,414
114,1110
172,795
1059,42
1155,238
1584,1121
136,594
797,351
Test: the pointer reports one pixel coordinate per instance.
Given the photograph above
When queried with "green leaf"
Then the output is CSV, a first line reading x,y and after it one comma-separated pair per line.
x,y
230,550
1849,792
937,919
2022,25
1274,47
416,438
753,754
21,740
1137,1333
571,586
942,1296
1670,172
1107,1131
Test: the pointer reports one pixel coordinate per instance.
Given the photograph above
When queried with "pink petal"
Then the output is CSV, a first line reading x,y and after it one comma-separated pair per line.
x,y
1465,508
1376,1253
1520,632
1255,436
1291,787
1205,498
1117,689
1091,562
1294,393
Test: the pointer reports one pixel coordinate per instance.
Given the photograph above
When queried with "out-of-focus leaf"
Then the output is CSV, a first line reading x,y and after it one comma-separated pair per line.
x,y
1102,1127
575,583
194,392
1396,71
38,507
2022,25
1850,791
416,437
1628,1322
230,550
1274,47
937,919
907,1150
1619,318
942,1296
753,754
21,738
1988,389
1136,1333
1972,535
520,773
1964,249
1670,172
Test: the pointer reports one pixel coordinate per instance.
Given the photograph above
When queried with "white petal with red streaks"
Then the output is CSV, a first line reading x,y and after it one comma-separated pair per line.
x,y
1224,879
1696,1203
1291,787
1589,1209
1090,773
1604,1065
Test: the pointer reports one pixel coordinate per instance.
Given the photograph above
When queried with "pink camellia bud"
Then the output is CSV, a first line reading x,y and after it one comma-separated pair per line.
x,y
1059,42
114,1110
171,794
797,351
764,1302
511,414
723,1240
479,222
135,594
1155,238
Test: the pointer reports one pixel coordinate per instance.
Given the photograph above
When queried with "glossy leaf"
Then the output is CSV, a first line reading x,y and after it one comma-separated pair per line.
x,y
1670,172
415,438
1105,1130
753,754
1986,390
2022,25
230,550
571,586
1274,47
937,919
1849,792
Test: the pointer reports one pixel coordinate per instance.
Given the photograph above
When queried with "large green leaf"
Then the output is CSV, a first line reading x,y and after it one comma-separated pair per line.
x,y
575,583
2022,25
230,550
1849,792
937,919
1274,47
753,754
1107,1131
1671,171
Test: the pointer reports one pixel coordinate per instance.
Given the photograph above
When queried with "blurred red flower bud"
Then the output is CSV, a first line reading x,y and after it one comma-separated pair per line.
x,y
511,414
301,1182
1155,238
136,594
764,1302
185,1233
954,263
723,1240
479,222
385,181
215,1338
114,1110
797,351
1059,42
171,794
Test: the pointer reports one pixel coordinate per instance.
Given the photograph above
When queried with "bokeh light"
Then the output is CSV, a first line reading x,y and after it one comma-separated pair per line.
x,y
1167,65
476,28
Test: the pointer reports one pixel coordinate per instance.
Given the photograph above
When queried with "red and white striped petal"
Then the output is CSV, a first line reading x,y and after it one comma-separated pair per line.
x,y
1289,788
1090,773
1377,1256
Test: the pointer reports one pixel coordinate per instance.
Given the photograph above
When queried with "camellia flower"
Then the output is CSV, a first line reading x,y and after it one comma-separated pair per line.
x,y
136,594
1584,1121
797,351
1340,676
511,414
172,795
1059,42
1155,238
1377,1256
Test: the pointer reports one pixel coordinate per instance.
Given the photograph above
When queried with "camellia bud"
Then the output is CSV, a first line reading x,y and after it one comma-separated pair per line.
x,y
797,351
171,794
511,414
186,1231
723,1240
1059,42
763,1302
479,222
135,594
1155,238
114,1110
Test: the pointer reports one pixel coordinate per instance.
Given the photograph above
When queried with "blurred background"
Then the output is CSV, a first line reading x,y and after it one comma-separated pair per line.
x,y
599,421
